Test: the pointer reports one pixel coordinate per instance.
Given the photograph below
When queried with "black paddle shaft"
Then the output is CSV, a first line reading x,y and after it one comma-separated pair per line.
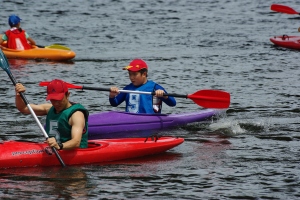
x,y
96,88
174,95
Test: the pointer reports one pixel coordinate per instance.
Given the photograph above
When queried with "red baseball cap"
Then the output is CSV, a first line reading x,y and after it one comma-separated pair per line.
x,y
136,65
56,90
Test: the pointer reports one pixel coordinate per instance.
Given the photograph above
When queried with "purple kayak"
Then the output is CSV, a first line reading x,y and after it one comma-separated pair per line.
x,y
114,124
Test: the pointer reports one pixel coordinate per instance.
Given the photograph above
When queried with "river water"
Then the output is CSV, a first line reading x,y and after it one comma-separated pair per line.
x,y
251,152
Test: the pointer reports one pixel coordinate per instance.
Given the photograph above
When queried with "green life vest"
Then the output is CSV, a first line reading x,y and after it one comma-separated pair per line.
x,y
57,124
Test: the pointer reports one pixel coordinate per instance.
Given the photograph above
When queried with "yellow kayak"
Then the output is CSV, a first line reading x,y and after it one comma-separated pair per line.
x,y
57,54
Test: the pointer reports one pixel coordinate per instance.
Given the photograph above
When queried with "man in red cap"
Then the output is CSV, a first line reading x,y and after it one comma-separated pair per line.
x,y
66,122
140,103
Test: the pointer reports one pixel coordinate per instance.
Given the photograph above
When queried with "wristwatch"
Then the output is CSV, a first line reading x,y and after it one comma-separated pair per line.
x,y
61,146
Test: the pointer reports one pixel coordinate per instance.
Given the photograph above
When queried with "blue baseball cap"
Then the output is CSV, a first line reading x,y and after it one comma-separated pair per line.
x,y
13,20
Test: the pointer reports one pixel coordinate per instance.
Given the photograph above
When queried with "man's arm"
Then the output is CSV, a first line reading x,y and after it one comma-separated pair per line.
x,y
41,109
77,121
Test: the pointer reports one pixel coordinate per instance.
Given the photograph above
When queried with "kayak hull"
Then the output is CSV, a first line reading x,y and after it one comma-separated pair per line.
x,y
114,124
39,53
31,154
290,42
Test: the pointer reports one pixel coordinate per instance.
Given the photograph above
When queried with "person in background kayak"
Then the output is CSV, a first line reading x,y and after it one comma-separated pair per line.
x,y
140,103
66,122
16,37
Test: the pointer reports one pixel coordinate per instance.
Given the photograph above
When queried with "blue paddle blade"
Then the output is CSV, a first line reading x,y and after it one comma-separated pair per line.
x,y
4,62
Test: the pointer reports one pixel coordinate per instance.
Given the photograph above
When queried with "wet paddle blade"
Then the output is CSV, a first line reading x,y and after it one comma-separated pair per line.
x,y
57,46
211,98
4,62
283,9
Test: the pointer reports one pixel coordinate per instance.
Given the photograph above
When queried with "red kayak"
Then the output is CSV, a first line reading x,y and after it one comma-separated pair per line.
x,y
290,42
32,154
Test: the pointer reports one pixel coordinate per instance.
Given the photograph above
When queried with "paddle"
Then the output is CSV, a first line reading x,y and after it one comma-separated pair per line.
x,y
204,98
5,66
54,46
283,9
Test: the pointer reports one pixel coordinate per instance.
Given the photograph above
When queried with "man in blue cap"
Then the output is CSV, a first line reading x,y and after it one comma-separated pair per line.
x,y
16,37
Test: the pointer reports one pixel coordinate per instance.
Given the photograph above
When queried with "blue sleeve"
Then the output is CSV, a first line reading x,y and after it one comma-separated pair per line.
x,y
170,101
117,100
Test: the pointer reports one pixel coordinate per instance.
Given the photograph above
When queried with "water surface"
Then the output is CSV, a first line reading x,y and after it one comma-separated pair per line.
x,y
252,152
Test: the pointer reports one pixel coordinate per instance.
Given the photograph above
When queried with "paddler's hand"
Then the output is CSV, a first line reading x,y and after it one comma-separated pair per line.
x,y
53,143
19,88
114,91
160,93
299,29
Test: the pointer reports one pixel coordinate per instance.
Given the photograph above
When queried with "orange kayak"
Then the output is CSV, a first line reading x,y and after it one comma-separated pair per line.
x,y
39,53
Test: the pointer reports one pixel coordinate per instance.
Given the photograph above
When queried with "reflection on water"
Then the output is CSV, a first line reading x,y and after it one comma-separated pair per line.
x,y
54,182
20,63
77,182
